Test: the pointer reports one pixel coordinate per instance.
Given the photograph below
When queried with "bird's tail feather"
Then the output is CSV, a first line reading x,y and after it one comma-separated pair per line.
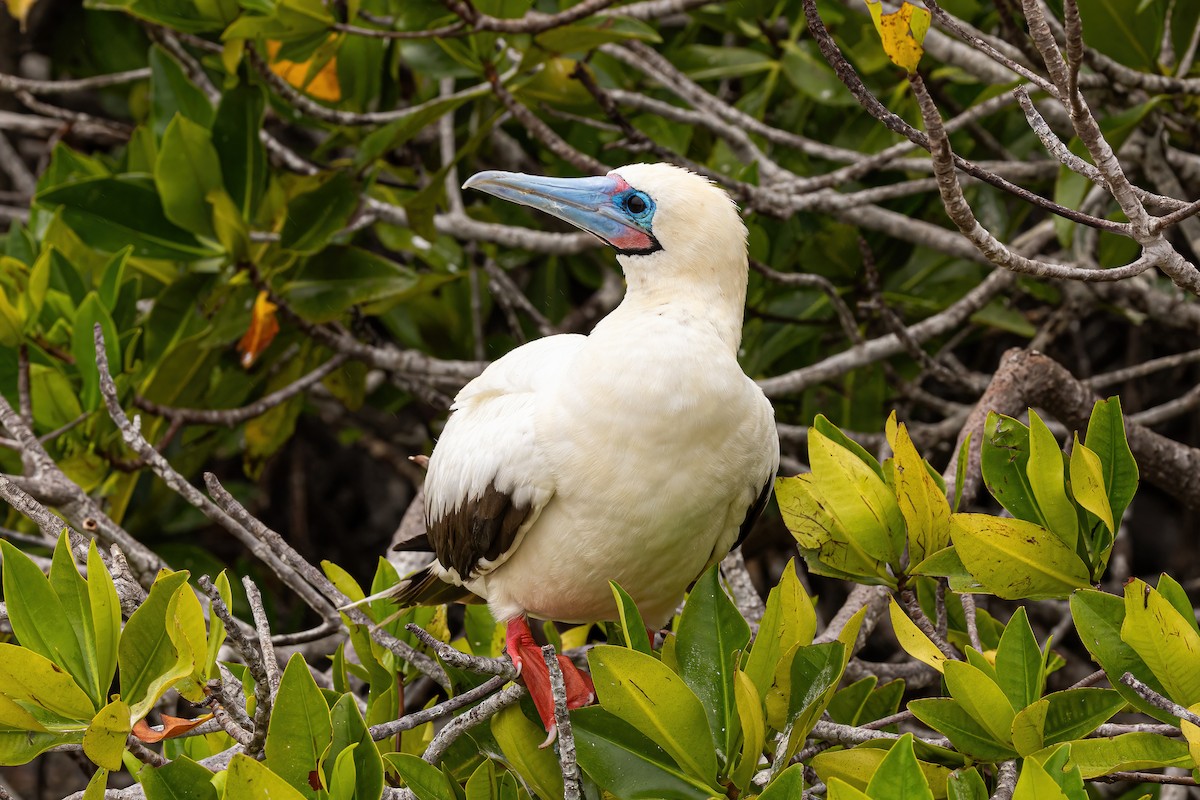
x,y
422,588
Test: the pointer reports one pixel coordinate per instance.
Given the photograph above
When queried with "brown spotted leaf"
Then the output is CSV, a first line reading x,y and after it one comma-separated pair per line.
x,y
902,33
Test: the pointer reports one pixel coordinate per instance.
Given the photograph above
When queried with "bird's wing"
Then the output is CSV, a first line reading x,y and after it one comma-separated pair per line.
x,y
487,481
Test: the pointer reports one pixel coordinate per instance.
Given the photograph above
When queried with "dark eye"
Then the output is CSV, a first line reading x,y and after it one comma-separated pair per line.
x,y
635,204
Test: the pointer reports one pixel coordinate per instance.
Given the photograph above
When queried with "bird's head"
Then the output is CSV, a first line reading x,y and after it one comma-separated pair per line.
x,y
652,214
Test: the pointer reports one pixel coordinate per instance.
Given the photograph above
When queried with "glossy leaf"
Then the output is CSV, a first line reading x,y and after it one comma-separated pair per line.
x,y
1014,559
235,136
104,739
786,785
753,729
91,312
187,169
633,629
643,692
789,620
153,653
316,215
1106,438
710,634
1098,619
1087,483
300,728
29,677
947,717
980,697
629,765
966,784
180,779
923,504
1005,459
41,623
1129,751
1167,643
253,780
113,213
519,738
426,781
1045,472
1019,660
912,639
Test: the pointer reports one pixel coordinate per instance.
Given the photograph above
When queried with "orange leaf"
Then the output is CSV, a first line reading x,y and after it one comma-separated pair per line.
x,y
171,727
323,85
263,327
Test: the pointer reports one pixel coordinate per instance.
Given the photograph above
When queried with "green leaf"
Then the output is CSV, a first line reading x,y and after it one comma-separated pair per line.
x,y
53,396
329,283
1087,484
1056,762
83,346
1019,662
172,93
823,541
29,677
858,498
216,628
104,740
1129,751
399,131
646,694
1045,472
922,503
350,735
111,279
72,591
1014,559
1075,713
966,784
1005,459
300,728
912,639
1035,783
248,779
947,717
1164,640
836,435
1176,595
980,697
803,689
1106,438
11,322
789,620
153,653
1130,31
787,785
97,785
627,764
1098,618
633,629
40,621
314,216
113,213
241,153
187,169
753,726
520,738
20,747
426,781
179,779
711,633
899,776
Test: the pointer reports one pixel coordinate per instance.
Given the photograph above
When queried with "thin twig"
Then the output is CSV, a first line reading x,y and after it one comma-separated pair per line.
x,y
572,780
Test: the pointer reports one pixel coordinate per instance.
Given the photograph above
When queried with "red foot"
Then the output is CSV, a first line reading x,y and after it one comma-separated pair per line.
x,y
526,656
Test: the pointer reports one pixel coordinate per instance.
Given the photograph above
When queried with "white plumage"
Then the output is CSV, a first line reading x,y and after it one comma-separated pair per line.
x,y
640,448
636,454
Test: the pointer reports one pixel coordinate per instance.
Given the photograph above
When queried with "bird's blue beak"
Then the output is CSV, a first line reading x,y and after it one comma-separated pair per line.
x,y
594,204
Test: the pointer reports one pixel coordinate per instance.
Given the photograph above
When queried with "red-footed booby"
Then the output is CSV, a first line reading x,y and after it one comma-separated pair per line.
x,y
640,453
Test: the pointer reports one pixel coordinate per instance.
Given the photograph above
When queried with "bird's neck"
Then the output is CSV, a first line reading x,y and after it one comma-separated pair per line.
x,y
713,293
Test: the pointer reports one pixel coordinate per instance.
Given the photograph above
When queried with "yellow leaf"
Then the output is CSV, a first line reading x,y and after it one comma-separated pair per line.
x,y
902,33
323,84
262,330
914,642
1192,734
19,9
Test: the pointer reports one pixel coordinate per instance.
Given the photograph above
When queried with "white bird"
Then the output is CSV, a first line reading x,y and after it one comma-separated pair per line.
x,y
640,454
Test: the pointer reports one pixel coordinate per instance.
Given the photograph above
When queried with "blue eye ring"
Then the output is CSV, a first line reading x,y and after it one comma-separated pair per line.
x,y
637,204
